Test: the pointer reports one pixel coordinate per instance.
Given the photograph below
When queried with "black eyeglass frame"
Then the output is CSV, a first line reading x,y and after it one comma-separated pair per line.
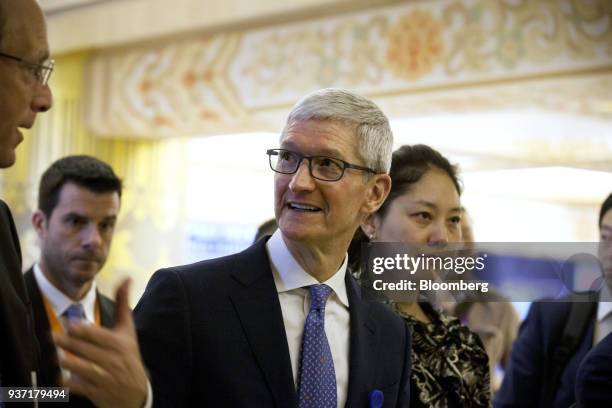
x,y
345,164
43,72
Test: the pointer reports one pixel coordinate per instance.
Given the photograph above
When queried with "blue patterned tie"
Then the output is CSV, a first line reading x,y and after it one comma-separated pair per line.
x,y
74,311
317,384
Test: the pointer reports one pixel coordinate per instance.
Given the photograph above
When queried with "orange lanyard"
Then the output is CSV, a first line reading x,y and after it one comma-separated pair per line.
x,y
56,326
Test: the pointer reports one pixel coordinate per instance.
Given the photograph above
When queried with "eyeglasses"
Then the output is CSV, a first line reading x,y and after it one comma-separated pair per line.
x,y
320,167
41,72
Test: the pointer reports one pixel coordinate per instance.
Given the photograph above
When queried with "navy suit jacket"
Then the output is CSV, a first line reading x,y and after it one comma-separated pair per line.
x,y
594,378
212,334
49,375
19,351
524,376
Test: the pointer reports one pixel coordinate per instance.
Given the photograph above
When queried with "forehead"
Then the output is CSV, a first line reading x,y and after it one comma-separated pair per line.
x,y
606,221
77,199
25,31
322,137
435,186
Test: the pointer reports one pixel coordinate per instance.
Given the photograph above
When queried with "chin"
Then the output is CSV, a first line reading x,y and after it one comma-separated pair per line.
x,y
7,160
84,276
299,233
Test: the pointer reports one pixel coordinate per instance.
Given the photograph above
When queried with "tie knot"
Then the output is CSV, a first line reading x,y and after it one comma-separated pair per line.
x,y
74,311
319,295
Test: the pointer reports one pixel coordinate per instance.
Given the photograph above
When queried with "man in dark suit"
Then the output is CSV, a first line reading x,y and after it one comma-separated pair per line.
x,y
24,71
594,378
539,350
25,68
283,324
78,205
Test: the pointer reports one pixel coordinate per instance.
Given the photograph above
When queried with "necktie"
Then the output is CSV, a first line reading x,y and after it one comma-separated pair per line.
x,y
317,383
74,311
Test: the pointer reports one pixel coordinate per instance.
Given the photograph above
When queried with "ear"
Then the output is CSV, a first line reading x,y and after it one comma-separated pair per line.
x,y
370,225
379,187
39,222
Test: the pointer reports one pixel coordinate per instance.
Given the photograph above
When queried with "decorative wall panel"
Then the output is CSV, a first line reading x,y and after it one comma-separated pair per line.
x,y
247,80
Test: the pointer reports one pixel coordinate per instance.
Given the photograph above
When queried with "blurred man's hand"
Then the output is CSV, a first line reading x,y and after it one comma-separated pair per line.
x,y
105,364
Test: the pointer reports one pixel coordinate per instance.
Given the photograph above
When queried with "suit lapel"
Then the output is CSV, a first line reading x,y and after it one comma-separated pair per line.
x,y
49,368
107,310
256,301
362,358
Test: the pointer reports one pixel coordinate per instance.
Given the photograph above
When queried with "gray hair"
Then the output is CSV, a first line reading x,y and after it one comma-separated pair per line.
x,y
339,105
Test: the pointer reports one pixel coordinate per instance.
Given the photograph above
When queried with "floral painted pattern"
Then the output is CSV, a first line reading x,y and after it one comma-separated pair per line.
x,y
415,45
236,81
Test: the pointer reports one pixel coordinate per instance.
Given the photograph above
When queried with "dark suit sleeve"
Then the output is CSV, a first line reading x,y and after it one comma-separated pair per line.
x,y
19,351
403,399
162,321
523,376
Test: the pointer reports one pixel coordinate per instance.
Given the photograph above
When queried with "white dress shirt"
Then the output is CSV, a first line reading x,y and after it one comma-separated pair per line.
x,y
290,280
60,302
604,315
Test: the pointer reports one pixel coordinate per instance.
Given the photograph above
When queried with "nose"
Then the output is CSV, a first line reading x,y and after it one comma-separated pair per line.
x,y
42,99
438,235
302,180
91,237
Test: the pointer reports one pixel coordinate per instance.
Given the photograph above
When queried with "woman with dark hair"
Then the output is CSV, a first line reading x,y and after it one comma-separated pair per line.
x,y
449,364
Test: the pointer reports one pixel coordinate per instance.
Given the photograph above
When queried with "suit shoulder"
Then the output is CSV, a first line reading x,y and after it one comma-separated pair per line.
x,y
552,311
4,208
217,270
211,269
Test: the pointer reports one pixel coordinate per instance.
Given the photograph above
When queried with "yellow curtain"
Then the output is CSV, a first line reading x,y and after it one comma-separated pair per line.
x,y
149,232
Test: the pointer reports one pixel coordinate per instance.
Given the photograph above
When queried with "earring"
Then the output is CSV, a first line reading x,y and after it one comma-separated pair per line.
x,y
372,236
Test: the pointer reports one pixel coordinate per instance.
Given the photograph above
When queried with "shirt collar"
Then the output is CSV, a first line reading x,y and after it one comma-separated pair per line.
x,y
289,275
60,302
605,306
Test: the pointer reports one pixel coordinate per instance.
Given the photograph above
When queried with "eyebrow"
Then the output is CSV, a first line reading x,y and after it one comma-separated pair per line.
x,y
84,217
431,205
73,214
323,152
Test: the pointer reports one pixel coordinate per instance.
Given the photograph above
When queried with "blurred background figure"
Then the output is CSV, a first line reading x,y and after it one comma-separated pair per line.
x,y
556,336
594,376
449,363
490,315
78,205
266,228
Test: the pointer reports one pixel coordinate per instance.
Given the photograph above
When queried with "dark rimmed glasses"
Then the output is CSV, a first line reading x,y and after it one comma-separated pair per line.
x,y
40,72
320,167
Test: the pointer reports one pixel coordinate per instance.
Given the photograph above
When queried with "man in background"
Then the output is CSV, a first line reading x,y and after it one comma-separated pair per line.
x,y
594,377
556,336
78,205
24,71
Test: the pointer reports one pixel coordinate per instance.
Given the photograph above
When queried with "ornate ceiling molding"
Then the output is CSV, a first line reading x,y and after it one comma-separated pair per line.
x,y
444,55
